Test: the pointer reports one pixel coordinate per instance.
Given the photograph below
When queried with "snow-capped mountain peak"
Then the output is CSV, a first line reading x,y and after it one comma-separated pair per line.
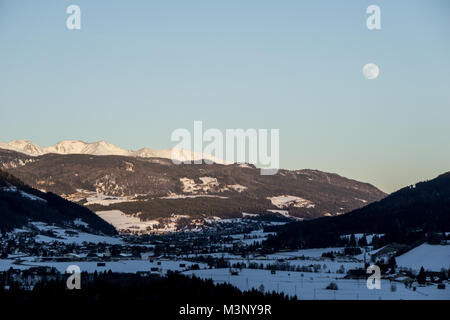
x,y
68,147
101,148
25,146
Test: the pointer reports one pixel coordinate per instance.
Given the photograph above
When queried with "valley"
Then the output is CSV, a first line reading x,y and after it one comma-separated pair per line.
x,y
304,234
230,252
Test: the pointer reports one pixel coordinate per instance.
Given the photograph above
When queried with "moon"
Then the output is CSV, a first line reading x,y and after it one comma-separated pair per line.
x,y
371,71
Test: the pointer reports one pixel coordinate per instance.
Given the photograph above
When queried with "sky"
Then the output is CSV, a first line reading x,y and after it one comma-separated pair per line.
x,y
138,70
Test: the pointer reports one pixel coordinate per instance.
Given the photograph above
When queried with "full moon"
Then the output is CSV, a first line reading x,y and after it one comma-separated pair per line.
x,y
371,71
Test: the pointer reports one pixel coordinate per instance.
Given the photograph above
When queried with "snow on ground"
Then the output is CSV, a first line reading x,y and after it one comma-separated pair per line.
x,y
431,257
67,235
5,264
254,237
325,264
122,221
214,219
249,215
126,266
367,252
237,187
80,223
188,184
312,285
285,213
225,255
302,258
208,183
286,201
21,230
277,223
282,212
311,253
104,200
22,193
80,238
181,196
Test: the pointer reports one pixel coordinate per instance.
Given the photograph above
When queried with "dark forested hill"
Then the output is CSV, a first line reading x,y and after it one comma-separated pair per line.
x,y
20,204
422,207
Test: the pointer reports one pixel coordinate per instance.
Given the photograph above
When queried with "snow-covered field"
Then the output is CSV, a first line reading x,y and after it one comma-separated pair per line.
x,y
303,283
312,286
125,266
325,265
254,237
208,184
80,238
431,257
71,236
5,264
122,221
182,196
311,253
286,201
300,258
99,198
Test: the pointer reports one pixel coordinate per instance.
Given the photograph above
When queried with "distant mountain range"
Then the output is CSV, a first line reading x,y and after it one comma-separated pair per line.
x,y
156,187
421,208
20,204
102,148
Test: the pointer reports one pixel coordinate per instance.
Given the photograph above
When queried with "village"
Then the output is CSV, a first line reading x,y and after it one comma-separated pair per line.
x,y
231,252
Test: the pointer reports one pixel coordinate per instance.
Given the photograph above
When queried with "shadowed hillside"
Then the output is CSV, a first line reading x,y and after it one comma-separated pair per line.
x,y
20,204
423,208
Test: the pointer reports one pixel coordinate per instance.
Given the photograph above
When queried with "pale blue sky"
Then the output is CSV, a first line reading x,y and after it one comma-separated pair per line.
x,y
137,70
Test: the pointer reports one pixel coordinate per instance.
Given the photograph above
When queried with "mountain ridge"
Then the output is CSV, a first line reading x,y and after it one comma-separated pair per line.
x,y
103,148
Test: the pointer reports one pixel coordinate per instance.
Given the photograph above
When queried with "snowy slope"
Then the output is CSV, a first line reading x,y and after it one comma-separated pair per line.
x,y
68,235
431,257
22,193
311,286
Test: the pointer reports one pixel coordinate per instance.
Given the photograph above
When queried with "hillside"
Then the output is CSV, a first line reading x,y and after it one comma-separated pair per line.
x,y
20,204
421,208
157,187
431,257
